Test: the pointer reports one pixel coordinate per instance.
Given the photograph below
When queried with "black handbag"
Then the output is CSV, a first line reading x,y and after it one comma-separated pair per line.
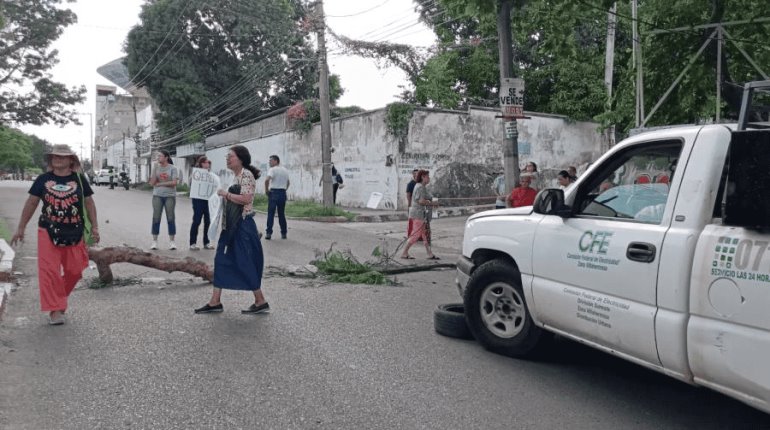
x,y
63,234
233,213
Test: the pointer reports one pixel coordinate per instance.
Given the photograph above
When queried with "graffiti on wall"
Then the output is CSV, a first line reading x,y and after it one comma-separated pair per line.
x,y
369,180
408,161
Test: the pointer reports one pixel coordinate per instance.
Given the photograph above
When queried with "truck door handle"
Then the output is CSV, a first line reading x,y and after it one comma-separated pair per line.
x,y
641,252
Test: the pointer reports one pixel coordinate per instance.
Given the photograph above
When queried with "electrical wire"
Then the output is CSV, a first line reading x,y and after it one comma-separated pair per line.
x,y
358,13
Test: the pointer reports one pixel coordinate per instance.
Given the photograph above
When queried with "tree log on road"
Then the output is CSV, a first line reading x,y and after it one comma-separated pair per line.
x,y
103,257
415,268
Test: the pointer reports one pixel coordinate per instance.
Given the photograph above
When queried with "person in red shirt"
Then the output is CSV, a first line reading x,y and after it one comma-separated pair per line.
x,y
523,195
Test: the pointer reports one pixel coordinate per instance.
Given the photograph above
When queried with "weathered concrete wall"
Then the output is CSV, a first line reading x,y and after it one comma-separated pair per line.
x,y
461,149
359,153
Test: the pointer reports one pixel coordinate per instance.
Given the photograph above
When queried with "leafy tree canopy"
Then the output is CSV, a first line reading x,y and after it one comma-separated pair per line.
x,y
226,61
559,45
28,94
15,149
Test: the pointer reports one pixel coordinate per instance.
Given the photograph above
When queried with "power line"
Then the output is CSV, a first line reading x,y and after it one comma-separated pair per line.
x,y
171,27
358,13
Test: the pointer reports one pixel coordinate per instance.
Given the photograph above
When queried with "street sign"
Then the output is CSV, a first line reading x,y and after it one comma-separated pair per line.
x,y
124,159
512,97
510,129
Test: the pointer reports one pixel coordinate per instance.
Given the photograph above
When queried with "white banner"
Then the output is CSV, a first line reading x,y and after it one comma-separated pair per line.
x,y
203,185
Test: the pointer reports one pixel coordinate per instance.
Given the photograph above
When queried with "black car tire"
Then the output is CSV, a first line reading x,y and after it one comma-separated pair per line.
x,y
497,313
449,320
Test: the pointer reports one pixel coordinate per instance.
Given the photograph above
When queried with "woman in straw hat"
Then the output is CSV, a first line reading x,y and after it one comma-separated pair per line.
x,y
62,254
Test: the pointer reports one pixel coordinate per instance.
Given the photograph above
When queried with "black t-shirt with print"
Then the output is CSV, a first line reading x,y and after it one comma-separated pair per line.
x,y
61,198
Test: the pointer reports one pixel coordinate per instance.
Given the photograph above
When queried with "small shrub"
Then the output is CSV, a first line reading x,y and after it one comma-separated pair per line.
x,y
397,119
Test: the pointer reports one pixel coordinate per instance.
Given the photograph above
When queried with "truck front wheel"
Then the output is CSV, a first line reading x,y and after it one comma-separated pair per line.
x,y
497,313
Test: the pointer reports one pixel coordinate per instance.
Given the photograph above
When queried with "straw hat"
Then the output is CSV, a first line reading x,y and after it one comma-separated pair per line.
x,y
63,150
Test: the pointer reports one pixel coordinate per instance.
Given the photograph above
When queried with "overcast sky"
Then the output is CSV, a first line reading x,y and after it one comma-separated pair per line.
x,y
98,36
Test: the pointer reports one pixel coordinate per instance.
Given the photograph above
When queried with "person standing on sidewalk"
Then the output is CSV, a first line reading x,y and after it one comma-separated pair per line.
x,y
200,211
499,188
61,250
276,184
163,180
409,192
421,212
239,261
522,195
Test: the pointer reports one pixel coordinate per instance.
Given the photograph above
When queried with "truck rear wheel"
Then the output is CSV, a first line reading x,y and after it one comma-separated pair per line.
x,y
497,313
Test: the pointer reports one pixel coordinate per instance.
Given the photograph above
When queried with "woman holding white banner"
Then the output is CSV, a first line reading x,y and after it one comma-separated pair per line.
x,y
200,205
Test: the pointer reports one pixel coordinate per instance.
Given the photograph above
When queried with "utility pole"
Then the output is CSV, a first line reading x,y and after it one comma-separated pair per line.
x,y
638,63
720,42
510,144
609,66
323,95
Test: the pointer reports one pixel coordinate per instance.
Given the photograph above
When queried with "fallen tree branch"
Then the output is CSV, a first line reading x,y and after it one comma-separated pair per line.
x,y
415,268
103,257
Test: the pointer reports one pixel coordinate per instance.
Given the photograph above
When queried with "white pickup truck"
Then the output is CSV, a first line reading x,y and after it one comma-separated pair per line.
x,y
657,254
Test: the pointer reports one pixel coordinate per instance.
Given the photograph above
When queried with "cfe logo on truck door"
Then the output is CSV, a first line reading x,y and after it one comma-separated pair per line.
x,y
593,246
740,259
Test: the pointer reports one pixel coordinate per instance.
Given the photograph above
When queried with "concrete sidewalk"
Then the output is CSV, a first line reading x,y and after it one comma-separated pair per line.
x,y
377,215
383,215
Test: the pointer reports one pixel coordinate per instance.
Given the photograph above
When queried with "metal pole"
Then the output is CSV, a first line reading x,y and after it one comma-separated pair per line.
x,y
323,95
720,38
510,145
91,129
609,67
637,63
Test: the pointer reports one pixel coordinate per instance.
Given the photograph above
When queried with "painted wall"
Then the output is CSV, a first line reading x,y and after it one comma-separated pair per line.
x,y
461,149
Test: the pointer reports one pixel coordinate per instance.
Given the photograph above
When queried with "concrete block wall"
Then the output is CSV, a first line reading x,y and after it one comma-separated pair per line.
x,y
462,149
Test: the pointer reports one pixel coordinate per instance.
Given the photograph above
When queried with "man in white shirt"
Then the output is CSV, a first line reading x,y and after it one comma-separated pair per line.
x,y
499,187
276,184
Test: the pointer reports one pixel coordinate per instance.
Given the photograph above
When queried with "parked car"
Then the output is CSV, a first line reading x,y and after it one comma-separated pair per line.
x,y
102,177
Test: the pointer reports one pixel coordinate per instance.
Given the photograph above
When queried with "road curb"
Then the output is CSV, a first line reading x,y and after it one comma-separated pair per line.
x,y
395,216
6,272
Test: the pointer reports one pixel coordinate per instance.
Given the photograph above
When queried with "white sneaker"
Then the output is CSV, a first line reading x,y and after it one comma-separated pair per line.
x,y
172,245
194,247
154,245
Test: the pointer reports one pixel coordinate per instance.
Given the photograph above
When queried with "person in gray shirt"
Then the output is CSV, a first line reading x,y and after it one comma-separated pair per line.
x,y
163,179
421,212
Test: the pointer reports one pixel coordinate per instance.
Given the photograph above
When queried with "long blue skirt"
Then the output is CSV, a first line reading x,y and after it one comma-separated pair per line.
x,y
239,267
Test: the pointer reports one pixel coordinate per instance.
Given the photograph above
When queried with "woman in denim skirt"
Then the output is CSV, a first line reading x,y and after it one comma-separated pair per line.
x,y
239,260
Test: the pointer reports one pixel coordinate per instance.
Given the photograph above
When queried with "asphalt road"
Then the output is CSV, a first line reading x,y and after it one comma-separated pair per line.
x,y
328,356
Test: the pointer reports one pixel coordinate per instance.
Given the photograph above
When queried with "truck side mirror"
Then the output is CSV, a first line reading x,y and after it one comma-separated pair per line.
x,y
551,202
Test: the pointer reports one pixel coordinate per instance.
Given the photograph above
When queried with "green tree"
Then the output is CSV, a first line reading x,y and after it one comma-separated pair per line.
x,y
15,150
559,51
28,95
37,150
230,60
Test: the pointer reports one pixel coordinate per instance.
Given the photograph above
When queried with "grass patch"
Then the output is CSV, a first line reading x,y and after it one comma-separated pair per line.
x,y
5,233
97,284
343,267
303,208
